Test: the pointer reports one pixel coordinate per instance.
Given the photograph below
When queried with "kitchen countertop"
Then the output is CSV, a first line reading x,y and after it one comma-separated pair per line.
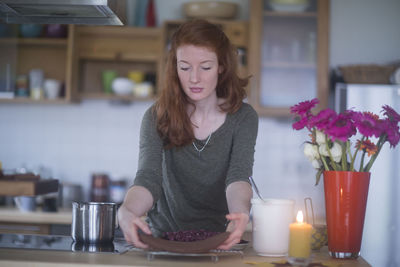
x,y
8,214
26,258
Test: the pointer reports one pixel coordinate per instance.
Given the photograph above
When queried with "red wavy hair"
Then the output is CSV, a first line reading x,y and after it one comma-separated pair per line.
x,y
173,121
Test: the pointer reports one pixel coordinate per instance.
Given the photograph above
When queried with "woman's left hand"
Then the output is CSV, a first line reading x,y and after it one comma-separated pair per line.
x,y
236,226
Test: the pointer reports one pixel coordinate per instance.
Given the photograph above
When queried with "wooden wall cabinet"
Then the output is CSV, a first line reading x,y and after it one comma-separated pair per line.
x,y
122,49
52,55
288,56
79,60
125,49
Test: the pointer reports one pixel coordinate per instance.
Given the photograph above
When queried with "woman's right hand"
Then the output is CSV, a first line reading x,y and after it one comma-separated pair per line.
x,y
130,224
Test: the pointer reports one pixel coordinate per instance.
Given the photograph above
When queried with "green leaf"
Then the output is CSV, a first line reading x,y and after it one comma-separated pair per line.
x,y
318,176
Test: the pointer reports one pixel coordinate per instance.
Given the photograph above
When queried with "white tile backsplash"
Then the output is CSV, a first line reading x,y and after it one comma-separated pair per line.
x,y
75,141
281,170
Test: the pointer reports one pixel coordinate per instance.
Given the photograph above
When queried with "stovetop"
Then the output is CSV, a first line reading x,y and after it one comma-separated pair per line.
x,y
118,246
60,243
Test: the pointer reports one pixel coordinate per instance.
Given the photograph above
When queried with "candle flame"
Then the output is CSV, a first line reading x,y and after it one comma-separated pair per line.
x,y
299,217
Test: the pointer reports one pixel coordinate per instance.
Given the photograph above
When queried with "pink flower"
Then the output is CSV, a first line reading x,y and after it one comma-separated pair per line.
x,y
304,108
368,124
300,124
333,127
392,131
341,127
323,119
392,115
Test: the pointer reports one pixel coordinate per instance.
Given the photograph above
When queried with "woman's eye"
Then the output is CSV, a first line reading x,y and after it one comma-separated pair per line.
x,y
206,68
184,68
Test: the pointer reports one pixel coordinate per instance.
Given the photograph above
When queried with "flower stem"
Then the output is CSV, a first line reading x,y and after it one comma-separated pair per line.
x,y
333,163
380,143
325,164
344,155
362,161
354,156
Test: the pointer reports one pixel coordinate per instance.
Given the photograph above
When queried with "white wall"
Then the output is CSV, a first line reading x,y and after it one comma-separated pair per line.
x,y
364,31
73,141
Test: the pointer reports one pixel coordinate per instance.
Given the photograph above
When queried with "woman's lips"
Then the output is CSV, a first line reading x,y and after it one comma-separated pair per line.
x,y
196,89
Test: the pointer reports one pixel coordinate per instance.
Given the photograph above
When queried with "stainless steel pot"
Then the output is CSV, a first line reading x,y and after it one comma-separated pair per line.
x,y
93,222
87,247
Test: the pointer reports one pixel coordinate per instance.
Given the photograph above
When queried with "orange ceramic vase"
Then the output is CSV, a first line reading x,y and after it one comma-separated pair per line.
x,y
346,196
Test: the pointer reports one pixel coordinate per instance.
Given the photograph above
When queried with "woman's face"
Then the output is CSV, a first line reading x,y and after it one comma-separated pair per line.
x,y
198,71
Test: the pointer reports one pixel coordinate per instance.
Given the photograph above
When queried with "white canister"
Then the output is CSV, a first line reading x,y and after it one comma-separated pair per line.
x,y
25,203
271,220
52,88
36,83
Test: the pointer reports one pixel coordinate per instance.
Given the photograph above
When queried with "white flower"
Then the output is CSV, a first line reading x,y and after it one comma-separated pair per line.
x,y
323,150
311,151
316,164
320,137
336,151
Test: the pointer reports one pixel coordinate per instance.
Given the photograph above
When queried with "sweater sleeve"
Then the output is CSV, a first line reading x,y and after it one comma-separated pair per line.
x,y
149,173
243,148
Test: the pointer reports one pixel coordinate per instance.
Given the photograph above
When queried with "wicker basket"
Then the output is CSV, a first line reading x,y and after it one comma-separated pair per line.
x,y
375,74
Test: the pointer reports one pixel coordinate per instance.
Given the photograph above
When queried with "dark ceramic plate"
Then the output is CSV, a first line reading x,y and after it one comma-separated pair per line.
x,y
202,246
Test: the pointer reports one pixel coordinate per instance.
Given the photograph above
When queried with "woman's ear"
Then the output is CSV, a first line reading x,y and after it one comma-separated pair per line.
x,y
220,69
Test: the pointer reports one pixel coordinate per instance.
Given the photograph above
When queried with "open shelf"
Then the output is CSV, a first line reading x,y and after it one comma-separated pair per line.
x,y
26,100
51,55
289,14
118,56
121,49
105,96
34,41
288,65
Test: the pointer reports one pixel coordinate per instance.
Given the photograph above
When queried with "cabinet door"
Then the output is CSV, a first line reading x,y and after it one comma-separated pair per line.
x,y
288,54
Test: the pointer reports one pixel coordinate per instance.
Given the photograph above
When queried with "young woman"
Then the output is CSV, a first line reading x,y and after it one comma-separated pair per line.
x,y
196,144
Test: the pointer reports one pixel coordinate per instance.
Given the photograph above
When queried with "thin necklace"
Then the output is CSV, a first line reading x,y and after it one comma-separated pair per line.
x,y
199,150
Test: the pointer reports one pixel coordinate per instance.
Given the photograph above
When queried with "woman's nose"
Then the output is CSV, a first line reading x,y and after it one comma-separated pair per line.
x,y
194,76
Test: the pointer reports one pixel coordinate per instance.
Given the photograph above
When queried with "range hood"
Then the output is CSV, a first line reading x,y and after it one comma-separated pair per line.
x,y
95,12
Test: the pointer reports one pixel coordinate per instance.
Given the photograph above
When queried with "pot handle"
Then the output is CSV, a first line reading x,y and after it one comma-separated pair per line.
x,y
116,220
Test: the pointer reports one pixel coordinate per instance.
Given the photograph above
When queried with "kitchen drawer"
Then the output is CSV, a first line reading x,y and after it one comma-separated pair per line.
x,y
24,228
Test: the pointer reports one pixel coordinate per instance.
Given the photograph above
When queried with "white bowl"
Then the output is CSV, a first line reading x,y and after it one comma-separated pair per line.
x,y
122,86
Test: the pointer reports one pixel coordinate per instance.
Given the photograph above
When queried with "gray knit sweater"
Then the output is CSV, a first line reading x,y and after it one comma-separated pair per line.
x,y
189,188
